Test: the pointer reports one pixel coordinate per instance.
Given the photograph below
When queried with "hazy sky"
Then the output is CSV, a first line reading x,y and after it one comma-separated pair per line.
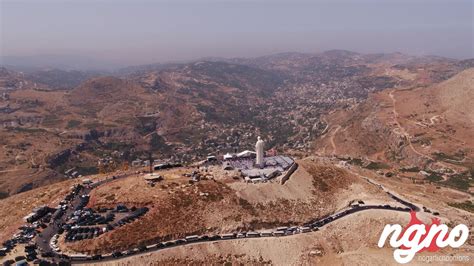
x,y
139,31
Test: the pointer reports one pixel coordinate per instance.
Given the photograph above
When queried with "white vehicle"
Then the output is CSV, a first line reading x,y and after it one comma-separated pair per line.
x,y
191,238
151,246
227,236
304,229
278,233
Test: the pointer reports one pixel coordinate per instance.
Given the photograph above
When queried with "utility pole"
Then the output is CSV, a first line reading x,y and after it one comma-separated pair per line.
x,y
150,160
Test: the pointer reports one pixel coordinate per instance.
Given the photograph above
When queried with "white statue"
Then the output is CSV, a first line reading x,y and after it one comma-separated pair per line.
x,y
259,150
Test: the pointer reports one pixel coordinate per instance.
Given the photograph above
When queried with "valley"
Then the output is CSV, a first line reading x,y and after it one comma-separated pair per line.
x,y
184,112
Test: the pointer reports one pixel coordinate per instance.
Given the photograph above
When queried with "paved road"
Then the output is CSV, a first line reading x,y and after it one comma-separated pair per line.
x,y
43,240
317,224
333,143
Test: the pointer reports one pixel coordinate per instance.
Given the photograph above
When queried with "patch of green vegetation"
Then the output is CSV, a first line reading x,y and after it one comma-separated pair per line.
x,y
459,182
434,177
458,156
73,124
146,125
51,120
410,169
467,205
4,194
470,169
158,143
356,161
377,165
87,170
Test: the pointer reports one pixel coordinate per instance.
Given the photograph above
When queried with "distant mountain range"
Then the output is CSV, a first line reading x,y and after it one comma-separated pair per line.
x,y
55,119
63,62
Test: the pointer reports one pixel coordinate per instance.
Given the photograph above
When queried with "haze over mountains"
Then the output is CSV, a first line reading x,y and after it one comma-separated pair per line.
x,y
184,111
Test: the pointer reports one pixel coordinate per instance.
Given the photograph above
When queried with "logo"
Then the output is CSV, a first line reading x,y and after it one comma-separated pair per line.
x,y
418,237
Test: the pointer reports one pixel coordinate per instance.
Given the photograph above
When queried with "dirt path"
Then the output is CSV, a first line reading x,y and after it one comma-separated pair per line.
x,y
11,170
327,126
403,131
333,144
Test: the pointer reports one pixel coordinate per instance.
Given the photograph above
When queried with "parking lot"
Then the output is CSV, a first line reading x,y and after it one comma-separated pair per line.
x,y
76,222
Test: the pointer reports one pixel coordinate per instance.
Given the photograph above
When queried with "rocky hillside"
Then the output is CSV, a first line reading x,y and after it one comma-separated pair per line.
x,y
420,128
185,111
60,79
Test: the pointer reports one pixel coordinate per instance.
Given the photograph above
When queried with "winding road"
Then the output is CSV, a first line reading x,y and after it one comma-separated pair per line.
x,y
272,233
44,238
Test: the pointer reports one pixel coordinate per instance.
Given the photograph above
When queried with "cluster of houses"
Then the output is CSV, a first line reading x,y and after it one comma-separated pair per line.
x,y
72,173
140,163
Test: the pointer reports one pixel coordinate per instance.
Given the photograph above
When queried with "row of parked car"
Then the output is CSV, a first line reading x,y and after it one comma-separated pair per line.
x,y
54,243
39,218
404,202
78,230
84,199
75,189
90,217
83,233
25,234
281,231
